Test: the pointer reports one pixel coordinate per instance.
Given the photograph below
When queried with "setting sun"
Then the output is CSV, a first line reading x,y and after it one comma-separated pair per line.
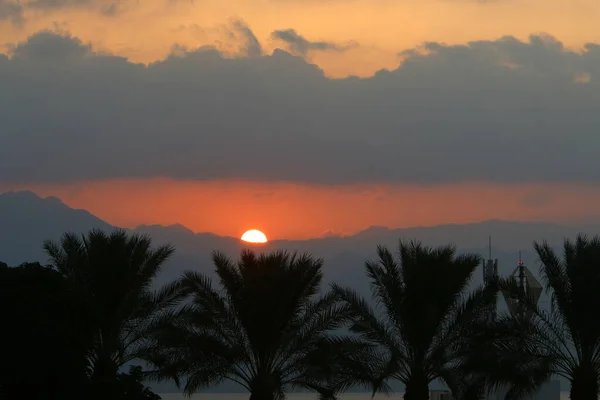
x,y
254,236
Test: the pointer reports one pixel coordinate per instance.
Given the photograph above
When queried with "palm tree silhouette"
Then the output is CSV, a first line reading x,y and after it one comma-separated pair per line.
x,y
425,324
566,339
115,272
44,336
487,366
266,329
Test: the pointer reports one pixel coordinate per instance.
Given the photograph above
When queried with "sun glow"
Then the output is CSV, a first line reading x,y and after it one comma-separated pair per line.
x,y
254,236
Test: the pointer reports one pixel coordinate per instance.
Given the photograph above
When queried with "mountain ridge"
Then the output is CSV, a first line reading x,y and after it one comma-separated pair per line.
x,y
26,207
26,220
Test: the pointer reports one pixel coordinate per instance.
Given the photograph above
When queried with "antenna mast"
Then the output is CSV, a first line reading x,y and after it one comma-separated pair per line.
x,y
490,273
522,274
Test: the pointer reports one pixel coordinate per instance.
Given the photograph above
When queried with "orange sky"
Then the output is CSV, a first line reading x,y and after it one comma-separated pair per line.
x,y
287,210
146,31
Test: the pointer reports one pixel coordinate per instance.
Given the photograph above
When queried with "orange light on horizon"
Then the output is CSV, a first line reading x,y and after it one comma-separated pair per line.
x,y
254,236
297,211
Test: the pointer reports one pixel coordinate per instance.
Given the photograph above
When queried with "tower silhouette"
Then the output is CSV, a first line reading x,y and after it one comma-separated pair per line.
x,y
524,286
490,274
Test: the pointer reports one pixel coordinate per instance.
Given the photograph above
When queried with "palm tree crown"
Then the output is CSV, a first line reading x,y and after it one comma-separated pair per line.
x,y
565,340
266,329
115,272
423,320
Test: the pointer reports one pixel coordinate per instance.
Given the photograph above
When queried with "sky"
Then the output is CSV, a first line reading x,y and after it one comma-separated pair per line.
x,y
303,118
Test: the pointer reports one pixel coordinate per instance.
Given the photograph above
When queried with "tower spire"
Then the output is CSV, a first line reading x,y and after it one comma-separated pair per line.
x,y
490,273
526,285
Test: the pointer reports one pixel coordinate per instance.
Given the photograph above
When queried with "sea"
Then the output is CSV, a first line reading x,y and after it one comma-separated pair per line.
x,y
292,396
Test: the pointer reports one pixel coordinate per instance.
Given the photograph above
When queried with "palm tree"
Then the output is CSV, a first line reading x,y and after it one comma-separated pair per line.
x,y
44,336
567,338
115,273
487,366
424,319
265,329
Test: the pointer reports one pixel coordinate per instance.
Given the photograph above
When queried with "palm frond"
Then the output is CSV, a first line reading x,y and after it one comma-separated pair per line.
x,y
115,272
264,326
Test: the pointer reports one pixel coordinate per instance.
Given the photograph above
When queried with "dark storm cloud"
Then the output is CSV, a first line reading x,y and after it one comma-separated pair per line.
x,y
500,110
299,45
11,11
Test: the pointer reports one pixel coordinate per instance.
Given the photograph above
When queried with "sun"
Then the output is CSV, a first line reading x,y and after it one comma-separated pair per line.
x,y
254,236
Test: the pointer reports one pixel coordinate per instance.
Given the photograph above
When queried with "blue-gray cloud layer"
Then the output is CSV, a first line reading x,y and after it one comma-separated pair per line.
x,y
500,110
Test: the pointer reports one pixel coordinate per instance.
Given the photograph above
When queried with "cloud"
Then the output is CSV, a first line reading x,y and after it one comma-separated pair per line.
x,y
501,111
57,4
235,38
47,46
330,233
300,46
110,9
11,11
252,46
106,7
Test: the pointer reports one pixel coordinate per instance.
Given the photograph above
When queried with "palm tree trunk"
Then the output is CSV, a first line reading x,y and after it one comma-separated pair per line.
x,y
263,386
472,396
584,386
417,387
104,379
262,395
